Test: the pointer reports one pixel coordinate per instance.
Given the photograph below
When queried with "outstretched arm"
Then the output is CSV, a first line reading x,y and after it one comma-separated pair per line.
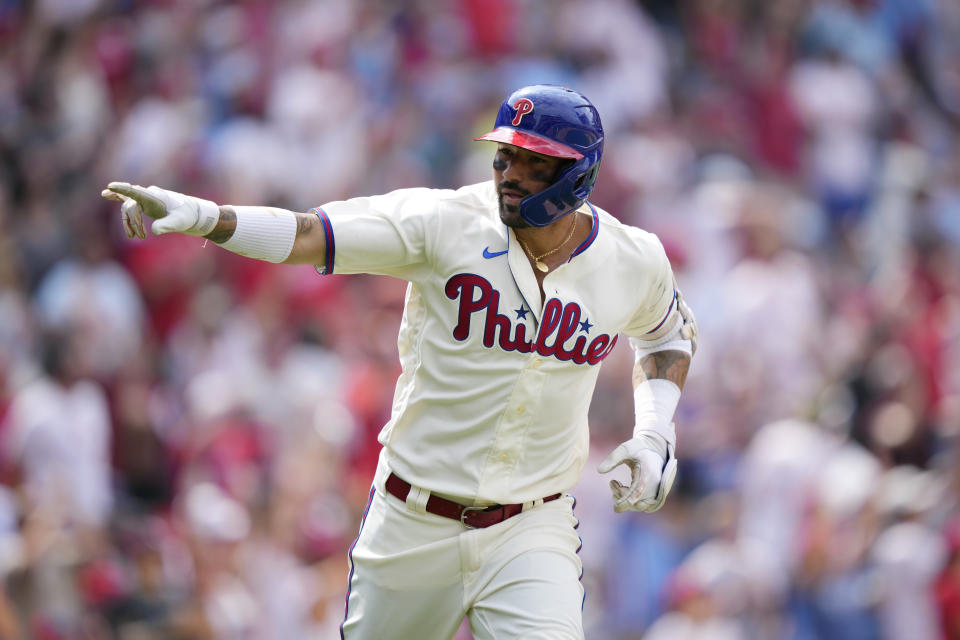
x,y
309,245
265,233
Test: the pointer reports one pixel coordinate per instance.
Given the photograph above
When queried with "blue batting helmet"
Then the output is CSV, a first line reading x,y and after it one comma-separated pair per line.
x,y
555,121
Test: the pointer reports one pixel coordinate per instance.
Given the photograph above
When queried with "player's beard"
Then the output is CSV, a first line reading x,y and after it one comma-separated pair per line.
x,y
510,213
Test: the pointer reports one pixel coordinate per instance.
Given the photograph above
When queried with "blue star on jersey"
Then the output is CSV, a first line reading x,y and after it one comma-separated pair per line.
x,y
585,326
521,313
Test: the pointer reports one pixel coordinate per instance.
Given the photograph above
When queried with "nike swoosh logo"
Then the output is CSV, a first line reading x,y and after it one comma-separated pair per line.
x,y
492,254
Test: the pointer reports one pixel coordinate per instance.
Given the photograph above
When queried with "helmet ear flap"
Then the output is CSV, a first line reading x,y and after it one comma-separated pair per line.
x,y
586,180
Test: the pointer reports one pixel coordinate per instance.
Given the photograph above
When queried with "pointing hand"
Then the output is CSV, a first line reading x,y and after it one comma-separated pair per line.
x,y
170,210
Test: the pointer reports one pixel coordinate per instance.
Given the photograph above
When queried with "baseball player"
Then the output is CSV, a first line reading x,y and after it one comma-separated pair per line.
x,y
518,290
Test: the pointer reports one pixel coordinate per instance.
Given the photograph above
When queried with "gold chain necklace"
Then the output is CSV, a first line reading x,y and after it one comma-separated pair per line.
x,y
538,259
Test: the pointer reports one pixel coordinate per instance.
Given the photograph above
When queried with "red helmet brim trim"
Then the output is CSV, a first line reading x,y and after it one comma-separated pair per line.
x,y
531,142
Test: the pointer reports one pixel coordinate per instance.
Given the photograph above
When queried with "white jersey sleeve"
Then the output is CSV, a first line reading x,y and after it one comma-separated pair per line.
x,y
657,308
392,234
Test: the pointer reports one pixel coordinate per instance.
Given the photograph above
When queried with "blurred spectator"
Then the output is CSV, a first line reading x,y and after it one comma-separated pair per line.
x,y
908,554
59,440
839,107
705,595
95,298
771,283
60,433
947,588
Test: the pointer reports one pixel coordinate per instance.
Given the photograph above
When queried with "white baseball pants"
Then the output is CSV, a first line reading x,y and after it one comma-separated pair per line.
x,y
414,575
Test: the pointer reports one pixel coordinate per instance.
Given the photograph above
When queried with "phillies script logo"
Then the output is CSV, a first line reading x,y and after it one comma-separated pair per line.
x,y
559,324
523,107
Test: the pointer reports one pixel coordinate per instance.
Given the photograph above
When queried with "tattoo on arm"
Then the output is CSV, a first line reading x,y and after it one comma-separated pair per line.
x,y
670,365
306,222
225,227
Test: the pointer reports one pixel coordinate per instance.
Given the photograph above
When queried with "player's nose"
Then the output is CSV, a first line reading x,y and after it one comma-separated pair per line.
x,y
515,171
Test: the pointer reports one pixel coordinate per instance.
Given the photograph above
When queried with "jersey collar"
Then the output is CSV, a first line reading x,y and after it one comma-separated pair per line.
x,y
590,238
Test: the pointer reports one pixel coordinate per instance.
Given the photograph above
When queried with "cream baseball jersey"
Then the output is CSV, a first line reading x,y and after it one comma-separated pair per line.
x,y
491,405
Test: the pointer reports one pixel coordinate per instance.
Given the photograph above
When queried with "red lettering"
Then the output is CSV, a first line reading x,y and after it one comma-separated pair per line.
x,y
520,342
596,348
477,294
596,351
579,351
463,285
551,319
496,319
569,324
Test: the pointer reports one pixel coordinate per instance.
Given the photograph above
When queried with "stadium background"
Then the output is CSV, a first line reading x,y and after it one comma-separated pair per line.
x,y
187,437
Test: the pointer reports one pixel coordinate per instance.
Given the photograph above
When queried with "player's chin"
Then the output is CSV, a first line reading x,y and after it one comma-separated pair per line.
x,y
510,216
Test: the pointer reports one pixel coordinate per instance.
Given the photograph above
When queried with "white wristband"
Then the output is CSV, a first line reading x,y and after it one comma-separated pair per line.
x,y
655,401
264,233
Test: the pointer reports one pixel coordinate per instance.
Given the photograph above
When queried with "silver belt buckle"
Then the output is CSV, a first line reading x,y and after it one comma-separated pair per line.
x,y
463,515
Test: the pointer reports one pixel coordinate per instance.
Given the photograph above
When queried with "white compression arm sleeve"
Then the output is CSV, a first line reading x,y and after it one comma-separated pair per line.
x,y
655,399
654,402
265,233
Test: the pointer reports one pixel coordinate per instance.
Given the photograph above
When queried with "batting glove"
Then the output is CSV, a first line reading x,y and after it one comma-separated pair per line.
x,y
653,468
170,210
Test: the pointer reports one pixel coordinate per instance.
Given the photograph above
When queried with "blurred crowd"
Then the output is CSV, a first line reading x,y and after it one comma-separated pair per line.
x,y
187,438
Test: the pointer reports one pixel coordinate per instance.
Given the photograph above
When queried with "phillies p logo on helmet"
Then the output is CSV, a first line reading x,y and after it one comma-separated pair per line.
x,y
523,107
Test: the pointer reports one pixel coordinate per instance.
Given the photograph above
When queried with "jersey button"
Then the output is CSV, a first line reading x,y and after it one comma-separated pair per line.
x,y
521,410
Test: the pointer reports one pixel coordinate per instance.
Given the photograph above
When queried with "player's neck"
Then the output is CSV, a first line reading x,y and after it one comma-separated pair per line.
x,y
540,240
552,245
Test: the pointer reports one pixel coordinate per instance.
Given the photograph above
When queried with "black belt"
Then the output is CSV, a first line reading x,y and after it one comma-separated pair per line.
x,y
470,517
